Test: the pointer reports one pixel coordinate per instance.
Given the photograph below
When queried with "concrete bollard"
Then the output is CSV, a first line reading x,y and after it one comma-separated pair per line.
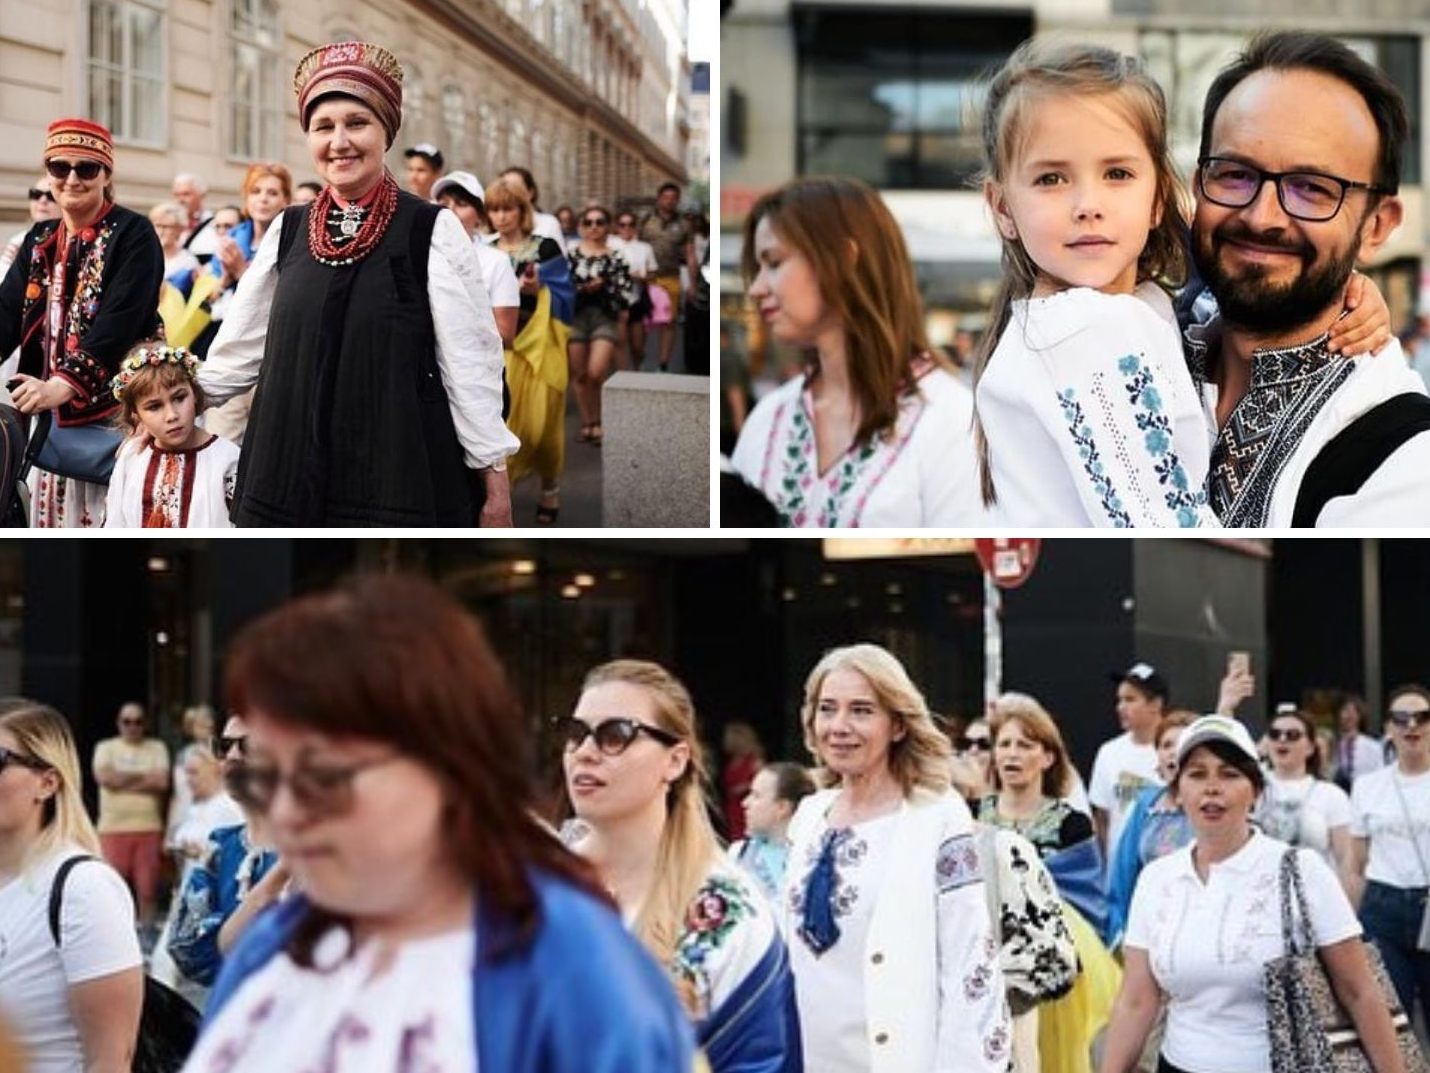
x,y
655,455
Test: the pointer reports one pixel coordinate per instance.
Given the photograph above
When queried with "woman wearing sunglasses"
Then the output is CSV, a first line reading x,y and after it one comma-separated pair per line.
x,y
636,778
73,1004
1390,848
894,956
83,290
604,294
238,876
42,207
1298,806
389,760
972,763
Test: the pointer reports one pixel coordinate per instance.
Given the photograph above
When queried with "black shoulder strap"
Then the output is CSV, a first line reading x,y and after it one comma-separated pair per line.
x,y
57,891
421,242
1357,451
295,219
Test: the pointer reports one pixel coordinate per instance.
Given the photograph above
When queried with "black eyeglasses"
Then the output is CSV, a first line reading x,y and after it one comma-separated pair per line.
x,y
1405,718
612,736
1305,195
36,194
131,722
1287,734
963,745
625,223
223,745
594,221
324,790
10,756
85,169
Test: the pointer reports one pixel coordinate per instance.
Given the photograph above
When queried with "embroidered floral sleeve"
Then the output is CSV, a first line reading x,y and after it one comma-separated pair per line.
x,y
620,288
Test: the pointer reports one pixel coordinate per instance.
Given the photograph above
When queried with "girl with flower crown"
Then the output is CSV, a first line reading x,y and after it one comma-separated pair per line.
x,y
172,474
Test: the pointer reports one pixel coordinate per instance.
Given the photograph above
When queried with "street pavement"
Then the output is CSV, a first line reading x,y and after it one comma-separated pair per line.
x,y
581,481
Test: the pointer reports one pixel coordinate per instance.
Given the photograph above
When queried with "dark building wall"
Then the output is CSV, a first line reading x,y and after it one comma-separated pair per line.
x,y
1316,619
1405,604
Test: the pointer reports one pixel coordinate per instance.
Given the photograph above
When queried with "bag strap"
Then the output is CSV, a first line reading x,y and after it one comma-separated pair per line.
x,y
1293,897
57,892
1349,459
1410,827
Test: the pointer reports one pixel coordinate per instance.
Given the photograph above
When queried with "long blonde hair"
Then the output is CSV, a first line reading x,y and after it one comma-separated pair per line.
x,y
1040,69
688,843
920,759
43,733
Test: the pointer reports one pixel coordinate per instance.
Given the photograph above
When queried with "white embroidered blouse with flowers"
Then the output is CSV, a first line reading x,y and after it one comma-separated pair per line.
x,y
1091,415
359,1013
154,488
922,474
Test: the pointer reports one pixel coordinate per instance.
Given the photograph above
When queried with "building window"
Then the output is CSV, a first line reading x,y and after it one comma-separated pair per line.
x,y
519,149
127,70
454,118
414,102
257,105
896,99
487,131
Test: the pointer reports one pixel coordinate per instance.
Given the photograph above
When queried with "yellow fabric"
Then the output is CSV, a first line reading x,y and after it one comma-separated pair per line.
x,y
130,811
183,321
536,376
1067,1026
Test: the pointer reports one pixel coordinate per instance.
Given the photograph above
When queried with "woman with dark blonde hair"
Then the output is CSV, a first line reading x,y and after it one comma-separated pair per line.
x,y
636,778
876,430
71,989
894,956
390,762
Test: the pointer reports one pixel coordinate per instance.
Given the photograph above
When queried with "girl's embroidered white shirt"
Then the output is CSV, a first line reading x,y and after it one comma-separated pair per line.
x,y
1091,415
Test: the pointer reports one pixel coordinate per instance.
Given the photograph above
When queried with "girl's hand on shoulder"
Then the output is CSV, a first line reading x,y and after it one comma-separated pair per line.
x,y
1364,328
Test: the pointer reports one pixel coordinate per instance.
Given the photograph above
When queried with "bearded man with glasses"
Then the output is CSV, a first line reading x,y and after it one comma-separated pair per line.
x,y
1296,184
83,290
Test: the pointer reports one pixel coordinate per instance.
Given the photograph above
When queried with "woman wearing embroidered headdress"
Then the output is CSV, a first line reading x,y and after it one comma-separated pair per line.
x,y
364,322
895,962
79,295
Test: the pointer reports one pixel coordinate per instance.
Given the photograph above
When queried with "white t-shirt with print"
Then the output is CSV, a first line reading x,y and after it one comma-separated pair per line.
x,y
1122,770
353,1018
497,274
97,938
1376,814
1303,812
1208,944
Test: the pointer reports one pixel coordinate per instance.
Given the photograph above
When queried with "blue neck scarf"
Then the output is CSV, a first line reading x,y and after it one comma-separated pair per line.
x,y
818,929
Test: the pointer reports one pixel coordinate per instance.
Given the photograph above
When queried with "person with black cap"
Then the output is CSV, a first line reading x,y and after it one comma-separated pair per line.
x,y
1127,764
424,167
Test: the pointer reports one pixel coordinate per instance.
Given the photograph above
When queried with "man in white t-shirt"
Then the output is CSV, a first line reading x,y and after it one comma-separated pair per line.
x,y
1127,764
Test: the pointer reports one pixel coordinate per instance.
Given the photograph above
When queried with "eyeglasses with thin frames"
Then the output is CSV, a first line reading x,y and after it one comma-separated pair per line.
x,y
1304,195
323,790
612,736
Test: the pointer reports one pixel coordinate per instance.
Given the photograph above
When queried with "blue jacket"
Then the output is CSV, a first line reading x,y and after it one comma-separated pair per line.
x,y
209,898
581,995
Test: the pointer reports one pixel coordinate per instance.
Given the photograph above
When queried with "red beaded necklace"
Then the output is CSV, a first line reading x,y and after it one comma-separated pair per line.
x,y
381,204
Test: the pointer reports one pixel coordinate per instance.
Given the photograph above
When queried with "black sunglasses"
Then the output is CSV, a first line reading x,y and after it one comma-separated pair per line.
x,y
10,756
612,736
1405,719
85,169
36,194
1286,734
223,745
625,223
963,745
594,221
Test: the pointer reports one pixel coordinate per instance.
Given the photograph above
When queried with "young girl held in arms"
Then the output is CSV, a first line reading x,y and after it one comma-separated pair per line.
x,y
172,474
1086,411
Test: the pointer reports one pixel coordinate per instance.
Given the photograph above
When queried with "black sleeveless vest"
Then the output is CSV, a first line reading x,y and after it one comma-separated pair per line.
x,y
350,424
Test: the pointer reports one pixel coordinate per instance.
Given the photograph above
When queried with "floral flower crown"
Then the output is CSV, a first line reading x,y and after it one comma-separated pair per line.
x,y
148,356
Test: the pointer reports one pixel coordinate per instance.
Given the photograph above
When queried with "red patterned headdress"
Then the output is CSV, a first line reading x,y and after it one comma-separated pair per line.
x,y
80,139
357,69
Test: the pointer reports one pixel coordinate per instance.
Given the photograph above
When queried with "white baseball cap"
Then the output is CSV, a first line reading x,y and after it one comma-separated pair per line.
x,y
1217,728
464,180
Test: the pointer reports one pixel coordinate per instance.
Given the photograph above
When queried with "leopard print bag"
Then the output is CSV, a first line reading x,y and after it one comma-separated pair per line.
x,y
1310,1031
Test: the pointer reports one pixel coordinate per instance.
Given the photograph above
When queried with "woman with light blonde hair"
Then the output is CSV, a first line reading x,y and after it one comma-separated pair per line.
x,y
895,962
635,775
72,996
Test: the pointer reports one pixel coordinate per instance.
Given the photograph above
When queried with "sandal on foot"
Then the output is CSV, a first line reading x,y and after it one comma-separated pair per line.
x,y
597,435
545,513
584,436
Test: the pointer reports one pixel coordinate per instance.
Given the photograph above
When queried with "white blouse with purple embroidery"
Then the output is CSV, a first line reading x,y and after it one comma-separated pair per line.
x,y
365,1013
922,475
1091,416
